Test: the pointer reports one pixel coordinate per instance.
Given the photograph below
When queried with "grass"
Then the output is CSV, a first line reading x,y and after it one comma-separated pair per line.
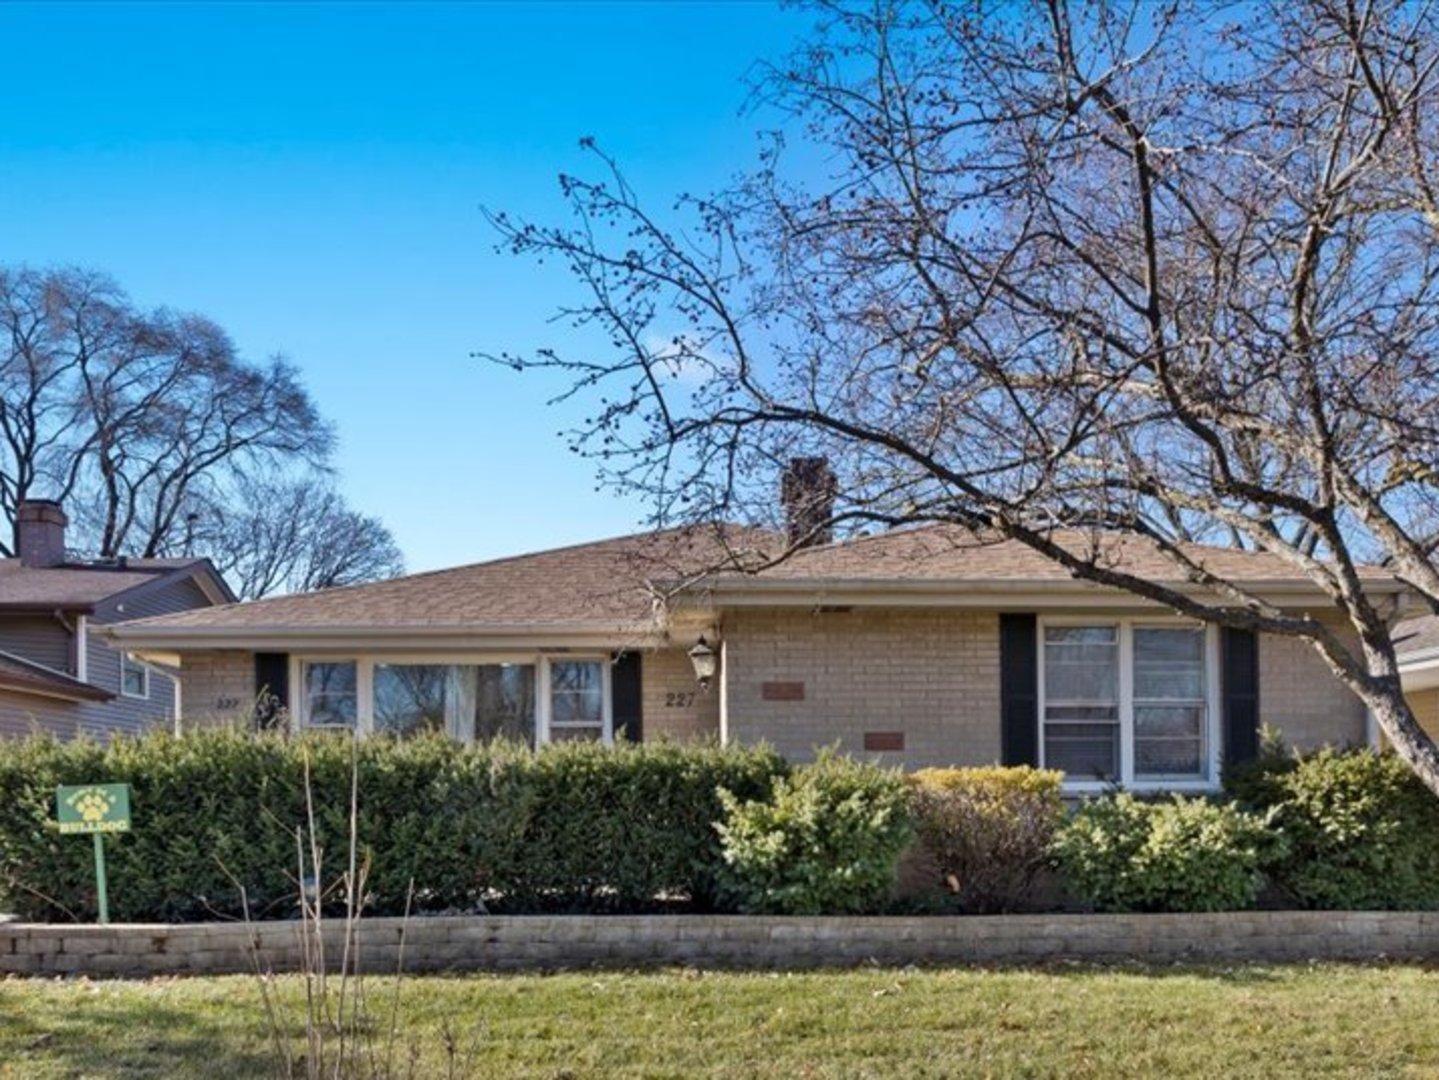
x,y
1324,1020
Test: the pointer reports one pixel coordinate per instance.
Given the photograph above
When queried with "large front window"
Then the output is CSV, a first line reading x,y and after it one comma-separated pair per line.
x,y
1127,702
530,701
466,701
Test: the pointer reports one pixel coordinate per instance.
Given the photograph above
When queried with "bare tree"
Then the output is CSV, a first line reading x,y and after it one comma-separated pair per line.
x,y
1162,269
292,535
131,416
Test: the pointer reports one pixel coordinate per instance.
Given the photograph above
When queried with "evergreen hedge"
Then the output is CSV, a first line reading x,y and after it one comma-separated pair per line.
x,y
1361,830
573,827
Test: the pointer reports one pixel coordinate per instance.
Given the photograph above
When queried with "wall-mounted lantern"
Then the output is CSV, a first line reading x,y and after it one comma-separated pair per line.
x,y
705,661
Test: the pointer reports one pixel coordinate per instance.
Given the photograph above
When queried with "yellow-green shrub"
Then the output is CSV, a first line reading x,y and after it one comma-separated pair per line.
x,y
989,829
1122,854
826,841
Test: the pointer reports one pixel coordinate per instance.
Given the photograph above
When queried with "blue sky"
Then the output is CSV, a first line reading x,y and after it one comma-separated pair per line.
x,y
309,176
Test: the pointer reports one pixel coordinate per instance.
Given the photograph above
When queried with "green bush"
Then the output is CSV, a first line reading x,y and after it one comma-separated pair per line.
x,y
1362,831
1257,784
1121,854
988,829
572,827
826,841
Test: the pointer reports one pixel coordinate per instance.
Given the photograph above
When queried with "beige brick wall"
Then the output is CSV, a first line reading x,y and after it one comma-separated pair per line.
x,y
1300,696
673,705
932,675
216,687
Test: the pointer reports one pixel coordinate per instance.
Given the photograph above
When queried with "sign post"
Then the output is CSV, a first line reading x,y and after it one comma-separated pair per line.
x,y
96,809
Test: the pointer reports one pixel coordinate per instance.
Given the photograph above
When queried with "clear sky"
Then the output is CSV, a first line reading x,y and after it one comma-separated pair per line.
x,y
309,176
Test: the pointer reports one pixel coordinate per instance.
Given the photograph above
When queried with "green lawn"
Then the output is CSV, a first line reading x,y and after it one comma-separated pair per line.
x,y
1206,1022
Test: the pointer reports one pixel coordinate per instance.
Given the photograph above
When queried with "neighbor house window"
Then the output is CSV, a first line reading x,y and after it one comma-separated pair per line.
x,y
134,677
331,693
1128,702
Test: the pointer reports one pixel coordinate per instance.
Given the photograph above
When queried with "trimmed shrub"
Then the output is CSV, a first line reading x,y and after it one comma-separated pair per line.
x,y
572,827
1257,784
826,842
1122,854
989,829
1362,831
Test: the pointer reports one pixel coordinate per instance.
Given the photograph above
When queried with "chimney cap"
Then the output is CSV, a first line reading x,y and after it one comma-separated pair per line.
x,y
41,510
40,533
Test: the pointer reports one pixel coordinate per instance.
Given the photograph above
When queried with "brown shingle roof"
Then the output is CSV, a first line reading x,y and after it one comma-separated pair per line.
x,y
77,586
599,585
941,553
26,677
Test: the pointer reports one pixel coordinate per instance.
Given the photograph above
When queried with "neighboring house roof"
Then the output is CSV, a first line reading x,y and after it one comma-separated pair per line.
x,y
80,586
26,677
611,588
597,588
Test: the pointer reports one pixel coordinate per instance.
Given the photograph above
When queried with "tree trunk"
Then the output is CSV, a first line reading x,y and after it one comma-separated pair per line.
x,y
1396,719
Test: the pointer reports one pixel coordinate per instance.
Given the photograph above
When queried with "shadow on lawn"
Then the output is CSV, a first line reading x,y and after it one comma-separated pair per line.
x,y
122,1038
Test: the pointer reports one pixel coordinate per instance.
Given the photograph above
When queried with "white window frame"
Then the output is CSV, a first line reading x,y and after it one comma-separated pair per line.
x,y
1125,627
128,659
365,664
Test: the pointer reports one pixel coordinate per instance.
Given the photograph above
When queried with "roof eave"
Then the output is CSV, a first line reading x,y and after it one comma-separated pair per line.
x,y
47,690
37,608
968,593
494,637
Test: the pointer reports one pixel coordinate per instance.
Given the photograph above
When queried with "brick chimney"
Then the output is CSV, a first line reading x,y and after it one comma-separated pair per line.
x,y
807,493
40,533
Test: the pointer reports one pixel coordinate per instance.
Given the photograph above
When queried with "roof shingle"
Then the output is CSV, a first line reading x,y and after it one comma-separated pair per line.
x,y
77,586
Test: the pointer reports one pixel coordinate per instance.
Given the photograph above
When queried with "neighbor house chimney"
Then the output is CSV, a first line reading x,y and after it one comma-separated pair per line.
x,y
40,533
808,493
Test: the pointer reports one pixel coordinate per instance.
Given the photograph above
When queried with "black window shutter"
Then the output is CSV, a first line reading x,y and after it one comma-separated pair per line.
x,y
625,700
1239,680
1018,690
272,687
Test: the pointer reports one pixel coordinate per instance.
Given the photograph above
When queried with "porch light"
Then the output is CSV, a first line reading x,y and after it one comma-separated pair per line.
x,y
705,661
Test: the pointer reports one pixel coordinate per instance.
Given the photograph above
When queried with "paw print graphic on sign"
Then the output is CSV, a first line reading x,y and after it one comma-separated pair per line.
x,y
93,806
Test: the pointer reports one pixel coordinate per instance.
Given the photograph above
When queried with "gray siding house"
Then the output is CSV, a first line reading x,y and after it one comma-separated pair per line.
x,y
57,673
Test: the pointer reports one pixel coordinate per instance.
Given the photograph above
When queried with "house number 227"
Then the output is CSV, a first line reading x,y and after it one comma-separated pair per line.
x,y
680,700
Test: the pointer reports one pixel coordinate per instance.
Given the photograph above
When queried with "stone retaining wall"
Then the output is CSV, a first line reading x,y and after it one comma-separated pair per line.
x,y
541,942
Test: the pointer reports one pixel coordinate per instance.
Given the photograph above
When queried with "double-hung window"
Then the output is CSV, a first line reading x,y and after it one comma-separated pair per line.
x,y
1128,702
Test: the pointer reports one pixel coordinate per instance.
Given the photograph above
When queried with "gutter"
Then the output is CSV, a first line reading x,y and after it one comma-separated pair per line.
x,y
1280,586
1001,595
289,638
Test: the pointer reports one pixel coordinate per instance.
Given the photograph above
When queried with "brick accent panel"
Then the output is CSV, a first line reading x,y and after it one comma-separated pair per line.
x,y
1301,697
739,941
674,705
216,687
930,676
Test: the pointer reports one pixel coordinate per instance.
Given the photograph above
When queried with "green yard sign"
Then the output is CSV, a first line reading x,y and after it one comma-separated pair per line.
x,y
96,809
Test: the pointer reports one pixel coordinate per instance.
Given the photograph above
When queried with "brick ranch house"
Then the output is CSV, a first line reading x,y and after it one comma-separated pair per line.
x,y
920,646
57,674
